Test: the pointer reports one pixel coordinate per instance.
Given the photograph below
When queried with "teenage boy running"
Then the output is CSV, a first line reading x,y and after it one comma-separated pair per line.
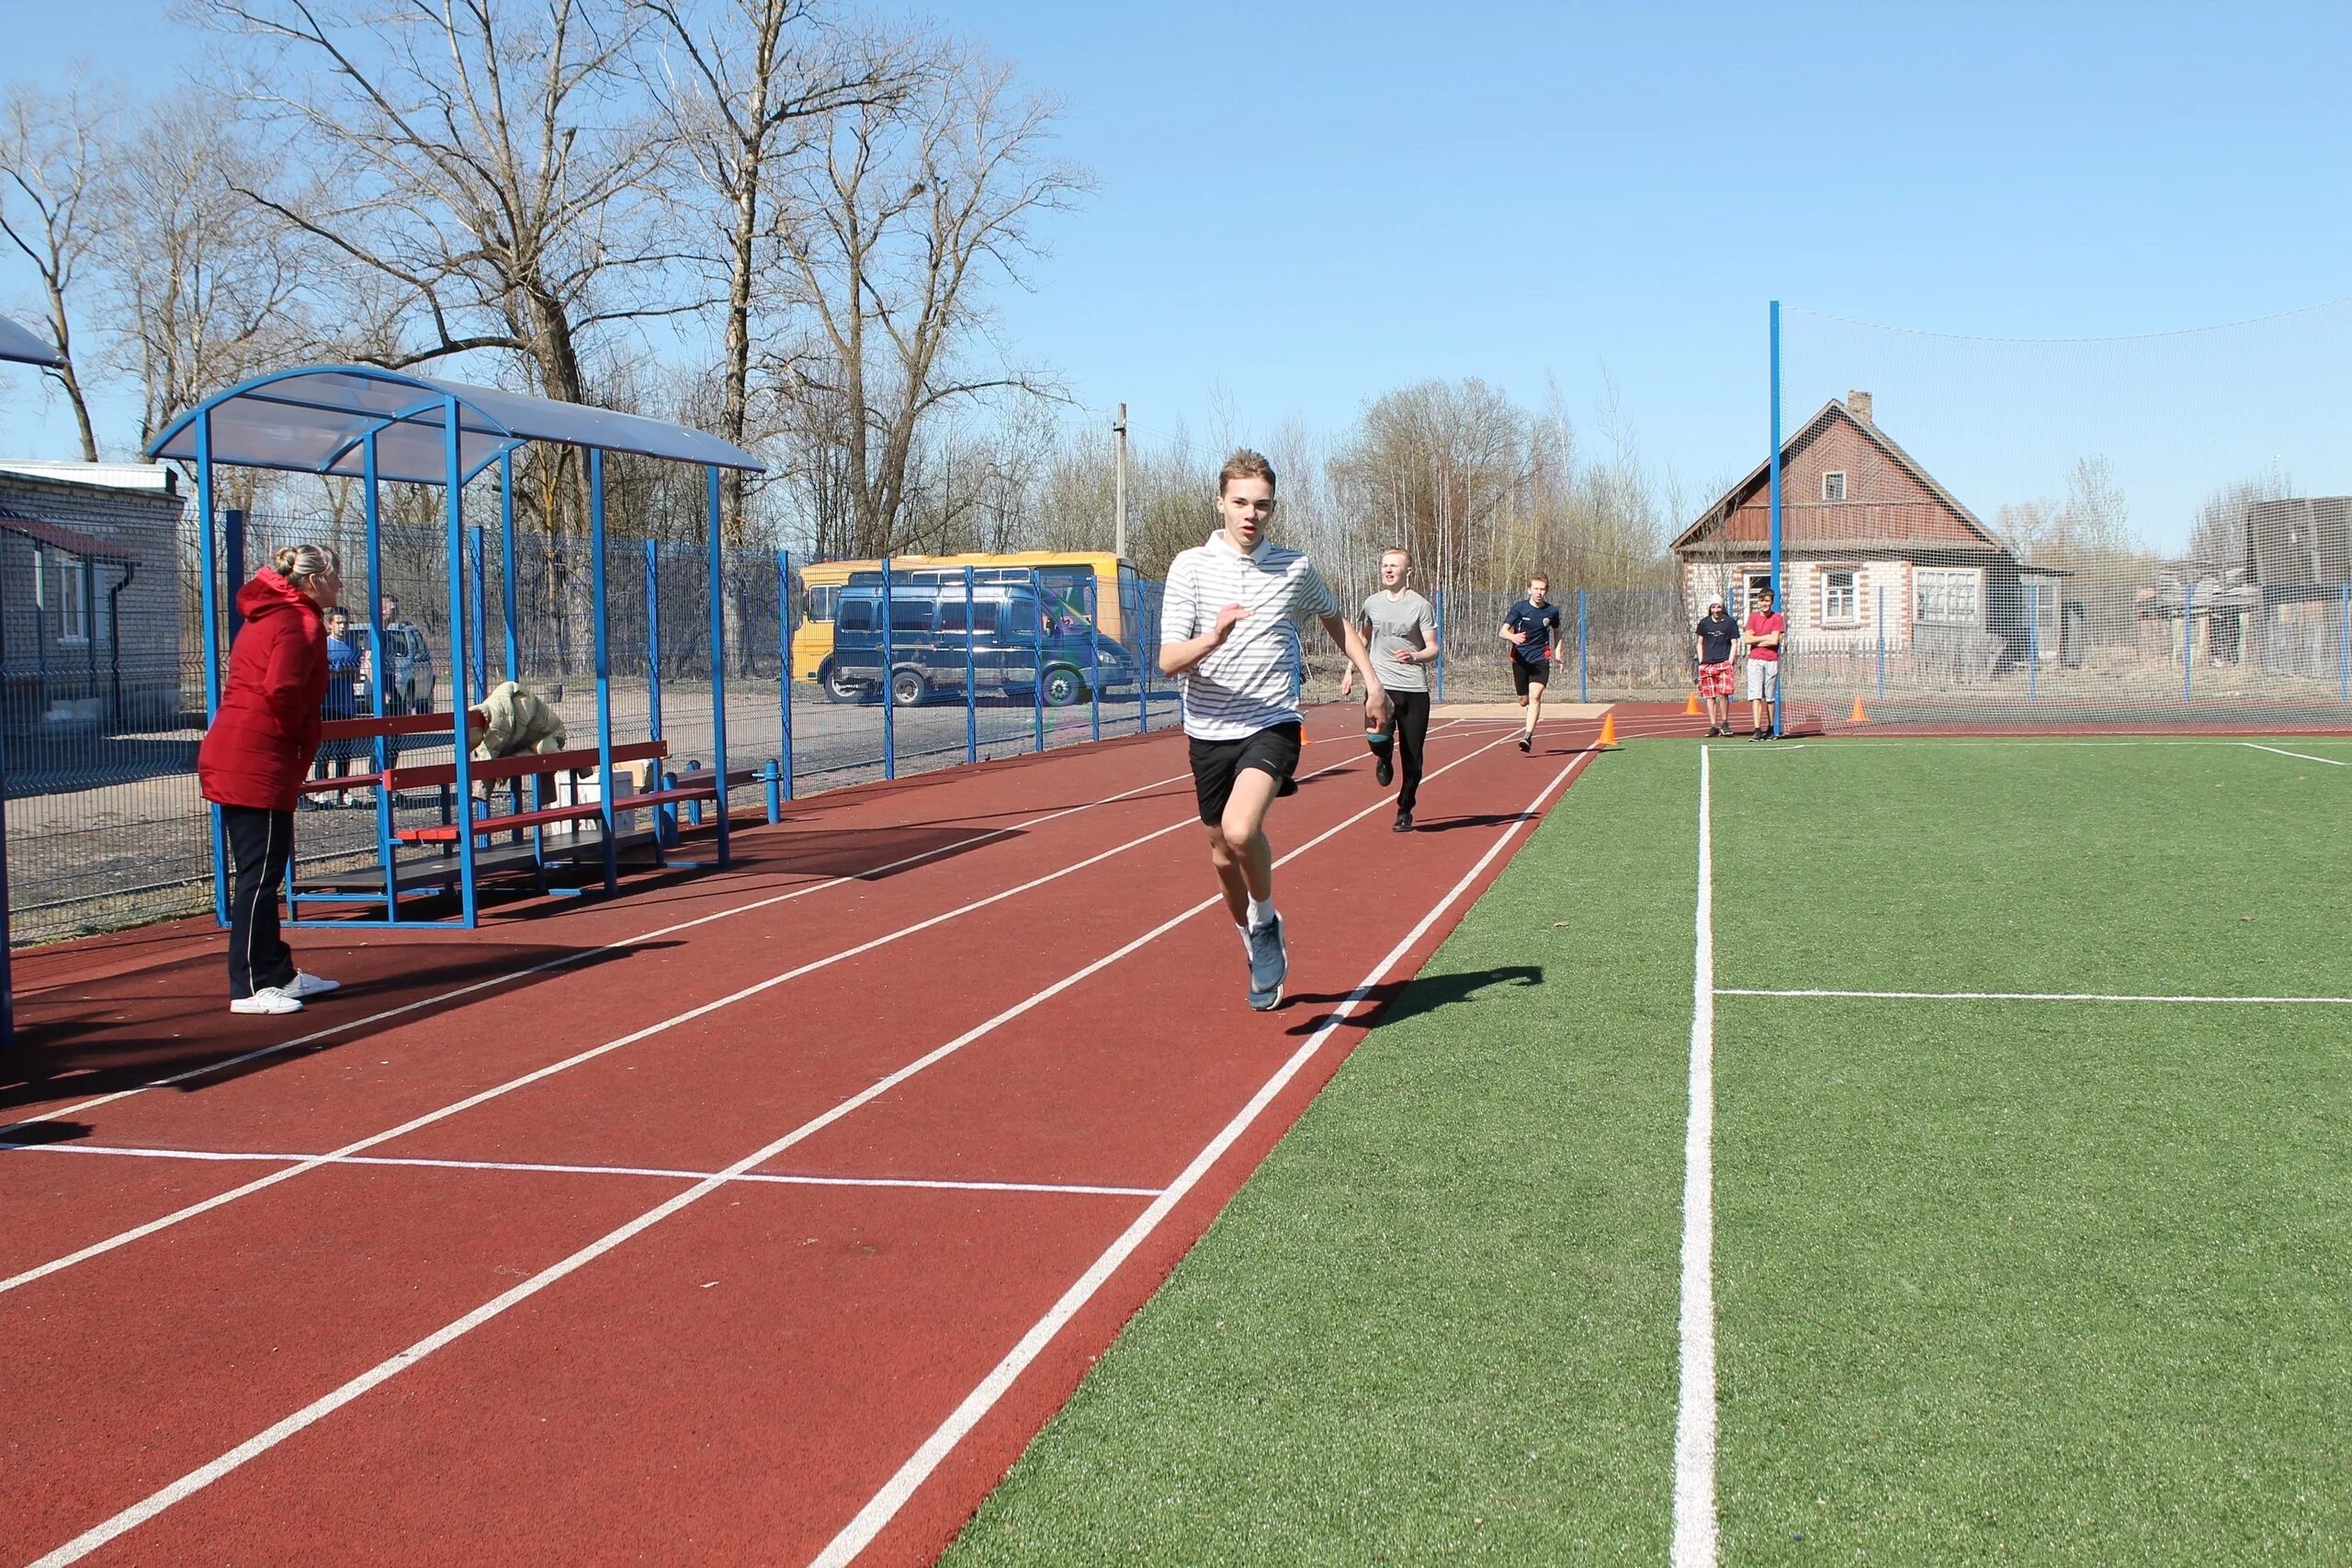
x,y
1228,630
1530,627
1400,627
1765,627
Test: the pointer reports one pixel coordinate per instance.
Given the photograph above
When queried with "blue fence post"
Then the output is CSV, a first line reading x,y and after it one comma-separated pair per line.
x,y
1093,662
2032,641
481,582
208,598
1584,693
1437,614
971,679
652,640
2344,678
1144,658
453,481
783,666
1037,653
232,526
889,704
1779,595
604,651
2188,641
509,591
1882,642
715,548
382,751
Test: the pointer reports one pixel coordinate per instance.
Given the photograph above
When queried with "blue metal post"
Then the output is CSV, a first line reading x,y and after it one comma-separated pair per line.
x,y
508,573
381,750
971,679
1093,662
652,640
1038,651
474,537
2032,641
2188,641
453,485
208,595
2344,678
604,670
717,547
1584,693
1436,616
889,703
1137,640
1882,642
232,524
784,668
1779,599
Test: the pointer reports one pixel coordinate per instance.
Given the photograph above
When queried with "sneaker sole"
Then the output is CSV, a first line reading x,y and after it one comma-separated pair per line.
x,y
1261,1002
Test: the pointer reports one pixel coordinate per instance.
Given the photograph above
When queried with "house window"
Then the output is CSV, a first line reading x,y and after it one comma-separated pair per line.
x,y
1833,485
1841,596
1950,596
1744,594
72,600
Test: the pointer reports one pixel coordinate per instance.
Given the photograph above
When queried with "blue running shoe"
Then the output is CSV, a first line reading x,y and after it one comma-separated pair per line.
x,y
1269,965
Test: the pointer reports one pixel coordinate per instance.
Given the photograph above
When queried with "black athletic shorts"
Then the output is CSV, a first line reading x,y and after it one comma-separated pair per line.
x,y
1216,762
1523,674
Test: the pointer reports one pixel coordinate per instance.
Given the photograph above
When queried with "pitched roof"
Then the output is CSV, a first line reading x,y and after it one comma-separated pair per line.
x,y
1804,435
72,541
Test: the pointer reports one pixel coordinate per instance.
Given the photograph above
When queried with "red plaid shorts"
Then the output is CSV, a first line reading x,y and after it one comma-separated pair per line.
x,y
1714,679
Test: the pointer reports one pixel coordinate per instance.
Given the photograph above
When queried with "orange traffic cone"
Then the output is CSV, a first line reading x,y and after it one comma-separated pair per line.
x,y
1608,741
1857,715
1691,706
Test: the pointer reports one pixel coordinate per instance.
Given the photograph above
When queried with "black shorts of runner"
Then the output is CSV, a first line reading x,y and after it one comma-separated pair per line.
x,y
1215,764
1523,675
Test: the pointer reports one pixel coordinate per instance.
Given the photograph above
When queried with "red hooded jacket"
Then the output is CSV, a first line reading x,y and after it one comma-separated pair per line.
x,y
263,739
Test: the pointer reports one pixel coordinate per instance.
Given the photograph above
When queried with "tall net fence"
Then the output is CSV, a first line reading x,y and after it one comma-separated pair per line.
x,y
2149,532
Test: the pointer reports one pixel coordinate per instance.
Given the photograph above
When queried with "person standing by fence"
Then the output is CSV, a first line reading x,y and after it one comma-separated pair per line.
x,y
254,758
1400,627
342,701
1714,638
1766,627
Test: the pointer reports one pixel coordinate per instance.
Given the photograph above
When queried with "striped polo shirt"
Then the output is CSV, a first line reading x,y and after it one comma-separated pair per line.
x,y
1252,683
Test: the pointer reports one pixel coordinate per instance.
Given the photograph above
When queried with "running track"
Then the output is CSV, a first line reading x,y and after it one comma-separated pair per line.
x,y
755,1217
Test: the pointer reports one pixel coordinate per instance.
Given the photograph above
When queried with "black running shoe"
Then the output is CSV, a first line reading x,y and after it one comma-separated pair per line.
x,y
1383,771
1404,821
1527,741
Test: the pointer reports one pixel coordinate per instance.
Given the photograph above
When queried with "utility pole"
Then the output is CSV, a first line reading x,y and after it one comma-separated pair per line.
x,y
1119,494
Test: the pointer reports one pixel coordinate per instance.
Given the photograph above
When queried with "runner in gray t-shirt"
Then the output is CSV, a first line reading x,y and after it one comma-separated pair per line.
x,y
1401,630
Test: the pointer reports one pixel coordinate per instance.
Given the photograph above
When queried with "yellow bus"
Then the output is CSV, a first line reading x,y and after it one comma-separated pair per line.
x,y
1116,595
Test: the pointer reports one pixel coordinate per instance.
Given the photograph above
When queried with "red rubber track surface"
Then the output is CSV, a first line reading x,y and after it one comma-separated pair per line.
x,y
735,1379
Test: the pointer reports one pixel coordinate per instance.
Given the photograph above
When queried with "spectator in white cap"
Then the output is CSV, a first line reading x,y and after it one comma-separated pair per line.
x,y
1713,638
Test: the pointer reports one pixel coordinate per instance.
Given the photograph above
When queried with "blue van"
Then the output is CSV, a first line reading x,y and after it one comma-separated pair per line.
x,y
1012,642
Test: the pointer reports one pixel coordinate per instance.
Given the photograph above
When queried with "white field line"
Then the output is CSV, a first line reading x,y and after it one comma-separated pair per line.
x,y
2298,756
2038,996
326,1404
1849,740
1694,1542
884,1504
240,1156
360,1146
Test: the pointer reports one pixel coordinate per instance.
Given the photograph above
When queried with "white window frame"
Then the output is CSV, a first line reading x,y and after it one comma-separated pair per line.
x,y
1837,474
1932,592
1828,616
1746,583
72,600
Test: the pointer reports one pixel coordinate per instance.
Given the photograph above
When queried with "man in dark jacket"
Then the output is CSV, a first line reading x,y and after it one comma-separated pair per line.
x,y
253,759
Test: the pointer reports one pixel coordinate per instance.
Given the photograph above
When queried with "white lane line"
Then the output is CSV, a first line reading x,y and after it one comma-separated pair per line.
x,y
533,1167
511,975
2298,756
2039,997
1851,741
1694,1417
884,1504
327,1405
360,1146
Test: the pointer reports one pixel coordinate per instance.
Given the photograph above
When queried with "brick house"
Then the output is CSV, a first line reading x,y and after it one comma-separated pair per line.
x,y
90,612
1864,525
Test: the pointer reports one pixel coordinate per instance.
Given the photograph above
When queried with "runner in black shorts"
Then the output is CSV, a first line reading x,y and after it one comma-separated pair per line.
x,y
1528,627
1228,631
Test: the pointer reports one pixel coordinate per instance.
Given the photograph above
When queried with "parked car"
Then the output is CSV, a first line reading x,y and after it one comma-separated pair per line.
x,y
1011,646
413,675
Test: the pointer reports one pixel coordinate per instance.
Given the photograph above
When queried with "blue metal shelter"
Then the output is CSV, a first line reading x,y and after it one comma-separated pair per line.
x,y
376,425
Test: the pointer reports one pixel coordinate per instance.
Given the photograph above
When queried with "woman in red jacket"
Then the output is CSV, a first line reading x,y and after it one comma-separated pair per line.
x,y
256,753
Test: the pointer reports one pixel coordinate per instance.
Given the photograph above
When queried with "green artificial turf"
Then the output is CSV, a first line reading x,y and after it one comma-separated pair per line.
x,y
1996,1282
1439,1322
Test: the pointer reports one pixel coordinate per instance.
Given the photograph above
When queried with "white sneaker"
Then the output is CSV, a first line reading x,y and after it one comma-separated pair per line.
x,y
268,999
303,986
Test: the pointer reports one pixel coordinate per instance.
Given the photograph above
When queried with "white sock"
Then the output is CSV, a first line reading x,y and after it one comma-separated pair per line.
x,y
1262,911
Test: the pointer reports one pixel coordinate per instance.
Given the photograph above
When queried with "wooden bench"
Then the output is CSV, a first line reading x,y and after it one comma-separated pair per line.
x,y
529,764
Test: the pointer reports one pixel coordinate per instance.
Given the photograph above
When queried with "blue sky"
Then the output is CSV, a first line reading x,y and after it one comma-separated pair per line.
x,y
1305,205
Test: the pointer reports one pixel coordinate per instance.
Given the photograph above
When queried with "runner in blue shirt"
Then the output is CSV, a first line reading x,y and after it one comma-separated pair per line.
x,y
1530,627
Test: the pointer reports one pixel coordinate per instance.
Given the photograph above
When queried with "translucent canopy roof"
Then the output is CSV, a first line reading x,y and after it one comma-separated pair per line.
x,y
24,347
317,422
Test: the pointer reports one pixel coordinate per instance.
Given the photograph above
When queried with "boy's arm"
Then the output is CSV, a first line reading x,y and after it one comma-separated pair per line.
x,y
1347,676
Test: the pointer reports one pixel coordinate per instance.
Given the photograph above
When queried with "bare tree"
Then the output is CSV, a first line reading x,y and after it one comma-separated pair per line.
x,y
484,158
747,86
207,288
892,232
53,157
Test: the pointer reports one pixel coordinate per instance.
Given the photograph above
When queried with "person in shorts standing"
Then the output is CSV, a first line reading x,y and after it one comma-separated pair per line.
x,y
1714,638
1230,633
1764,630
1528,627
1400,628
